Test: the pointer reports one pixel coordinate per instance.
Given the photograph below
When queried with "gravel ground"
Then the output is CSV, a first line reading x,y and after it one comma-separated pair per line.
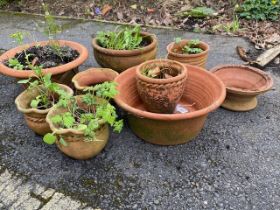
x,y
233,164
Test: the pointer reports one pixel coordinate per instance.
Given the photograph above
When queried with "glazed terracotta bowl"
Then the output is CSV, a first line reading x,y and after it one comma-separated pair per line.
x,y
243,84
175,53
204,93
93,76
61,74
120,60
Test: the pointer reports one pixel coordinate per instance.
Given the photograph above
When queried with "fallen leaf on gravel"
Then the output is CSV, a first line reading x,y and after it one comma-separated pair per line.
x,y
274,38
120,15
151,10
106,9
242,53
134,6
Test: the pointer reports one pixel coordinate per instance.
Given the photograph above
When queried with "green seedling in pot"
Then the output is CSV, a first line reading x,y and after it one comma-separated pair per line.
x,y
97,113
192,47
126,38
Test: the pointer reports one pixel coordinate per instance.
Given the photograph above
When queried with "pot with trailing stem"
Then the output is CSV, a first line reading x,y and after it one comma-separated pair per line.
x,y
175,53
120,60
77,146
244,84
35,118
61,74
92,77
203,93
160,95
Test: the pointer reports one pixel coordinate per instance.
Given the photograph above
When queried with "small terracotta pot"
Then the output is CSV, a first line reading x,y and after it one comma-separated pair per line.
x,y
244,84
61,74
204,93
35,118
120,60
93,76
161,95
175,53
76,147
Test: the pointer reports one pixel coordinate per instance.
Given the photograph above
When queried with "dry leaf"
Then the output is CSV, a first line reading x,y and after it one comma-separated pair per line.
x,y
106,9
134,6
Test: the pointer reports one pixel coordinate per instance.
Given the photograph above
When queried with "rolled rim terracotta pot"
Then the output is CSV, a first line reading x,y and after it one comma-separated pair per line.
x,y
76,147
243,84
174,53
93,76
161,95
61,74
35,118
204,93
120,60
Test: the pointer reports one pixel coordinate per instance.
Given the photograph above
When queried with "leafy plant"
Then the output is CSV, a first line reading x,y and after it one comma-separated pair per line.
x,y
192,47
47,89
260,9
233,26
51,28
15,64
124,39
98,112
198,12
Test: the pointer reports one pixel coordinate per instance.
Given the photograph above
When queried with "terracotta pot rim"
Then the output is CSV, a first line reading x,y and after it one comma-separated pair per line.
x,y
161,81
175,117
34,110
54,70
170,47
127,53
75,79
61,131
264,88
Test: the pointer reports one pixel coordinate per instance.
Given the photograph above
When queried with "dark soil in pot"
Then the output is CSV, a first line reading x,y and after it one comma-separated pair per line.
x,y
46,56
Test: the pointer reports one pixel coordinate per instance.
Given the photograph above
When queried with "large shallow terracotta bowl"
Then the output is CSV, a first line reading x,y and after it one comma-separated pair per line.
x,y
204,93
120,60
243,84
61,74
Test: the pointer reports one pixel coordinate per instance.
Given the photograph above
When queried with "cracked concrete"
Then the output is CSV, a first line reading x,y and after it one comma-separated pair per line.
x,y
233,164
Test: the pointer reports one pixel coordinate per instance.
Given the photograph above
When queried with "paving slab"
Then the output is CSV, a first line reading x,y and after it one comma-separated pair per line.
x,y
233,163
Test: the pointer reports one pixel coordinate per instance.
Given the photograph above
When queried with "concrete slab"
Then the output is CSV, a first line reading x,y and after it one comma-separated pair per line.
x,y
232,164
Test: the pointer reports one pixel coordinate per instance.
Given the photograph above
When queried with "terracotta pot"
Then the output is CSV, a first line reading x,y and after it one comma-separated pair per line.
x,y
93,76
204,93
120,60
35,118
77,147
243,84
161,95
61,74
175,53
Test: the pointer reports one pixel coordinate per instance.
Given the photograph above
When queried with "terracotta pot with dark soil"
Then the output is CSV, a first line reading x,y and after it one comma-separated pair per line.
x,y
120,60
76,145
93,76
203,93
192,52
160,84
244,84
63,66
34,117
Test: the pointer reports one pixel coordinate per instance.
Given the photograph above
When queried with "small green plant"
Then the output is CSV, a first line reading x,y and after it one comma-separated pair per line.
x,y
15,64
47,89
192,47
51,28
124,39
233,26
259,9
98,112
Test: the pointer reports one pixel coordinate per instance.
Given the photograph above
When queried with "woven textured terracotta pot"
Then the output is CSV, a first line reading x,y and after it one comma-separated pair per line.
x,y
93,76
161,95
244,84
76,147
35,118
175,53
61,74
120,60
204,93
